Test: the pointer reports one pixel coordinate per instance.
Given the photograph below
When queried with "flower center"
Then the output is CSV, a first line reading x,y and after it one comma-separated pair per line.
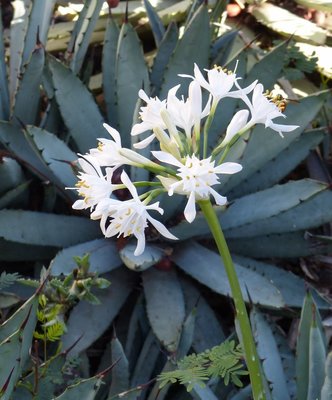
x,y
197,176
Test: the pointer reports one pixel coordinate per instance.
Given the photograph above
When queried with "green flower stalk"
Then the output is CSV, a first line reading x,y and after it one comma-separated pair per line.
x,y
248,343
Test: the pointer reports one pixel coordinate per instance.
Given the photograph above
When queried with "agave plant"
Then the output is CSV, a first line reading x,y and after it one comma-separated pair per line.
x,y
312,39
155,291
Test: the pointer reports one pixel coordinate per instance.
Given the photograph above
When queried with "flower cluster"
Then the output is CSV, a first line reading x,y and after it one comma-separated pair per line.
x,y
182,164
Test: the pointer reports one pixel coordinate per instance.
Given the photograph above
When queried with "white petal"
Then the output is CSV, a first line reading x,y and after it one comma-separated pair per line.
x,y
114,133
200,78
174,188
207,108
172,92
195,95
79,205
166,158
129,185
109,173
161,228
237,123
140,128
90,164
143,95
220,200
242,94
155,206
145,142
228,168
249,88
258,92
103,221
281,128
190,210
186,76
140,244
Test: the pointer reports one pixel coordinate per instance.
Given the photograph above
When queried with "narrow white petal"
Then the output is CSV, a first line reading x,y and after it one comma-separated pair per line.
x,y
109,173
143,95
129,185
207,108
258,90
195,95
242,94
186,76
249,88
172,92
166,158
200,78
145,142
161,228
103,221
94,165
87,166
173,188
137,129
228,168
140,244
79,205
114,133
155,206
281,128
220,200
190,210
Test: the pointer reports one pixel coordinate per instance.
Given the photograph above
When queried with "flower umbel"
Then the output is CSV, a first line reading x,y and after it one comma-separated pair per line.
x,y
184,164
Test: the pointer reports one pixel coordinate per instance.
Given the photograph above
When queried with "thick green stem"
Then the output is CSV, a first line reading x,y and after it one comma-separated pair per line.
x,y
248,343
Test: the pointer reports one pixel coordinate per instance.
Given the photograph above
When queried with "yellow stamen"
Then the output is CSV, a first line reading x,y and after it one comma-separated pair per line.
x,y
82,184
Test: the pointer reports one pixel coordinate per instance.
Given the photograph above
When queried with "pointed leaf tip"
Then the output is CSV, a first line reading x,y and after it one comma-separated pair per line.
x,y
5,385
127,12
103,373
23,325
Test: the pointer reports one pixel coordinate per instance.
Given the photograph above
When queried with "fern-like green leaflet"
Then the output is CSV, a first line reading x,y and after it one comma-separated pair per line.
x,y
224,361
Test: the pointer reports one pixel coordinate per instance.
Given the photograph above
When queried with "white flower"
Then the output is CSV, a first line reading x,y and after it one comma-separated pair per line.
x,y
170,115
195,179
186,114
155,117
151,118
111,153
108,151
128,217
92,184
263,111
219,84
